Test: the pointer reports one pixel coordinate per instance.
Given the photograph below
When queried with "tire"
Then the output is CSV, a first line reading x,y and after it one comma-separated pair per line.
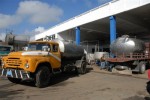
x,y
82,69
148,87
142,67
42,77
14,80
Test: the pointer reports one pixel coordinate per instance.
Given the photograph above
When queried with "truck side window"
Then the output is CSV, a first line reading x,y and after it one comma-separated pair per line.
x,y
55,48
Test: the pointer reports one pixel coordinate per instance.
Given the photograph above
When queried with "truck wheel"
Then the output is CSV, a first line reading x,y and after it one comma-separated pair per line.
x,y
148,87
82,69
142,67
42,77
14,80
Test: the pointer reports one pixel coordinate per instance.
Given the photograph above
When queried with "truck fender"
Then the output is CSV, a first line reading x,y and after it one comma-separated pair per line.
x,y
38,65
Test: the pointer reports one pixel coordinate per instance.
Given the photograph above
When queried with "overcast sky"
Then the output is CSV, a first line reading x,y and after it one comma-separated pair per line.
x,y
32,16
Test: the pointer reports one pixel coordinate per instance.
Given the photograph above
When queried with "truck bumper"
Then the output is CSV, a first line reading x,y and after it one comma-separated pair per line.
x,y
21,74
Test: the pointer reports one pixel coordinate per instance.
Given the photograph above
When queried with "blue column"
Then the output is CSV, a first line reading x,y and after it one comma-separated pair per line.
x,y
112,28
78,35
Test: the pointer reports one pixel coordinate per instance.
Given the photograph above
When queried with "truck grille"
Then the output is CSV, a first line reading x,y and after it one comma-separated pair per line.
x,y
13,62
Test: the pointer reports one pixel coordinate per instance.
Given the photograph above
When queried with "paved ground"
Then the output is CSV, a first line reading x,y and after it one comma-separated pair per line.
x,y
92,86
124,72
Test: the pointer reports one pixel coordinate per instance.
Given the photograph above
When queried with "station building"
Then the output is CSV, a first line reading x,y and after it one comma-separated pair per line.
x,y
97,28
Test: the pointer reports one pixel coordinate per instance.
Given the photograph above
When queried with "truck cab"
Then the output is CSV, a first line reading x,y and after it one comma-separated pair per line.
x,y
43,56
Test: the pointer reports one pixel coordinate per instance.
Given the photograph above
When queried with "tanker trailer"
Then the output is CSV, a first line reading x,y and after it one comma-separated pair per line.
x,y
70,54
41,60
129,53
70,50
17,41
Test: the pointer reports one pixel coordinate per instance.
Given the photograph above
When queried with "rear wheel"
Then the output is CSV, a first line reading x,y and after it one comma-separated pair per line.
x,y
142,67
14,80
82,69
148,87
42,77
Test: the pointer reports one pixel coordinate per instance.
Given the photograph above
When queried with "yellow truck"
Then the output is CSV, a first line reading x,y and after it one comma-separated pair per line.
x,y
42,59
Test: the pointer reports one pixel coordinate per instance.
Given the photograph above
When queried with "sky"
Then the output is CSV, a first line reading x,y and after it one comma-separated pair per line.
x,y
34,16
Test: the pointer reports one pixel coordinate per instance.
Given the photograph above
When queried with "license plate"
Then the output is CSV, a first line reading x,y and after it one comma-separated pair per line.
x,y
9,73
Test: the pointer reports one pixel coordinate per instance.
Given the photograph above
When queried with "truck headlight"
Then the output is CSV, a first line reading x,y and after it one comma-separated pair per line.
x,y
26,65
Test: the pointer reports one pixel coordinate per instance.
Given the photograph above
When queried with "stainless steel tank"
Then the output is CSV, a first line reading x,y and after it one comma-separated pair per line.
x,y
126,45
69,49
9,38
16,39
21,39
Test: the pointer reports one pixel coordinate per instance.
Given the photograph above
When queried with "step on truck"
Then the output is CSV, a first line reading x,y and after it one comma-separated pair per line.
x,y
41,60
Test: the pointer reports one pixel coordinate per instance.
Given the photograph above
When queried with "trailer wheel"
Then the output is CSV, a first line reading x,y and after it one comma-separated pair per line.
x,y
14,80
142,67
82,69
42,76
148,87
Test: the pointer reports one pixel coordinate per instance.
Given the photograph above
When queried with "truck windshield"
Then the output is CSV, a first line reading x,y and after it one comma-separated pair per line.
x,y
37,46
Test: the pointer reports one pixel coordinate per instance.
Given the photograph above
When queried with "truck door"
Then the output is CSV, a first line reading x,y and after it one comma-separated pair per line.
x,y
55,56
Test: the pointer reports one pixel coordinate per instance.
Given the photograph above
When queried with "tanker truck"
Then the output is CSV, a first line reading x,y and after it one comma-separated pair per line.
x,y
129,53
41,60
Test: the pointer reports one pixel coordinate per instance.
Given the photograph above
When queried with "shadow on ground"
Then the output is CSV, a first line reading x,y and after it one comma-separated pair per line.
x,y
147,98
58,79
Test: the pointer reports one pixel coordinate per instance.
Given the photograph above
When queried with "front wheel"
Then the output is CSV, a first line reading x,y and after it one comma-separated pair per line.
x,y
14,80
42,77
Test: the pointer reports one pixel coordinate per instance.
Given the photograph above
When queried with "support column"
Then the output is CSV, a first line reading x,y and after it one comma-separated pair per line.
x,y
77,35
112,28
